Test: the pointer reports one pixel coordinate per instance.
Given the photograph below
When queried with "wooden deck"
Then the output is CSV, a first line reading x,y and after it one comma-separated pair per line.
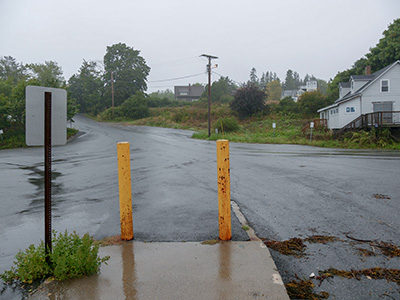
x,y
388,119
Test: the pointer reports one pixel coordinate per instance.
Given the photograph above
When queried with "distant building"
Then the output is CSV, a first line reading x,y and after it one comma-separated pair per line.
x,y
311,86
188,92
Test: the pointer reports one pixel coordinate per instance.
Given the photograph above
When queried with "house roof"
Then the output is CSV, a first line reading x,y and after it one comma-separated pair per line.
x,y
345,84
328,107
362,77
369,80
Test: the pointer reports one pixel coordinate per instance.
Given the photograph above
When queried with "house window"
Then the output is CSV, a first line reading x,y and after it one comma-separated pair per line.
x,y
385,85
350,109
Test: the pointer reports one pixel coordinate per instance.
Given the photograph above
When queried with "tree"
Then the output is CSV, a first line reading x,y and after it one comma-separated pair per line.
x,y
48,74
248,100
129,69
253,77
11,70
310,102
387,51
87,88
292,80
266,78
221,90
163,94
288,106
274,90
333,90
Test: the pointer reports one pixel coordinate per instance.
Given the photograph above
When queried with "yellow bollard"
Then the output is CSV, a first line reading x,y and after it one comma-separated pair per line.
x,y
125,190
224,190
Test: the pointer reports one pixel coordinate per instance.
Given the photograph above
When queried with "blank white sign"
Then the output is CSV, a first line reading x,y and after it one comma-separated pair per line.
x,y
34,128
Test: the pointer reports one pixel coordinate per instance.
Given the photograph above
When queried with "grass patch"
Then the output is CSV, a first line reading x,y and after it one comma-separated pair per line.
x,y
71,132
12,142
18,140
245,227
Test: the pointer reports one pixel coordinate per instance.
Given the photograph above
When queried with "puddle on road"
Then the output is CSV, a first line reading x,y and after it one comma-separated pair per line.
x,y
36,178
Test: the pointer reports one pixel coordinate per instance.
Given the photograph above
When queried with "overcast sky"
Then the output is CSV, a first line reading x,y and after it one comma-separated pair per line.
x,y
316,37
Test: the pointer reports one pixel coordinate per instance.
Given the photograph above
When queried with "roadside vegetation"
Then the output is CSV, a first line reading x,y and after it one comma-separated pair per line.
x,y
290,128
72,256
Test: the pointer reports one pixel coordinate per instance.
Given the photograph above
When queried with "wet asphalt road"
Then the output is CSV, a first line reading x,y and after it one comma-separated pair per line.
x,y
284,191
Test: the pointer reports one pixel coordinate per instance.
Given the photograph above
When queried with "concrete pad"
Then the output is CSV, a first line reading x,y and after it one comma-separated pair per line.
x,y
138,270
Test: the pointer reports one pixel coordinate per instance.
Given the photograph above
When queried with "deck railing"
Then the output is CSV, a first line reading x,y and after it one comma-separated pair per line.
x,y
375,119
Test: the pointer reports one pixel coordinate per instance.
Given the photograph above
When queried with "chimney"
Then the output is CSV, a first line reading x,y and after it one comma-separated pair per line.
x,y
368,70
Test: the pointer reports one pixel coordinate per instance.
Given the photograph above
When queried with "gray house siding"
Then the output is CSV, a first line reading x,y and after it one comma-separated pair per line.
x,y
365,95
373,92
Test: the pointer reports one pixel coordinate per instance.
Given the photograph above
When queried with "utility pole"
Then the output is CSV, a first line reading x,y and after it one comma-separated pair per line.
x,y
209,89
112,92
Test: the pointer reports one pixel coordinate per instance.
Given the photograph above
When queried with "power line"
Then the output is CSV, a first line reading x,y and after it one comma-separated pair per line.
x,y
193,59
177,78
238,83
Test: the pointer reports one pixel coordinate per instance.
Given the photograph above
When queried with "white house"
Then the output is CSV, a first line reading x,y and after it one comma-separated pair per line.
x,y
365,94
310,86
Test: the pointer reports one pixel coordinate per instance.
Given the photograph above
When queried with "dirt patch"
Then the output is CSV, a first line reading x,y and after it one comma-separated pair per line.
x,y
211,242
112,240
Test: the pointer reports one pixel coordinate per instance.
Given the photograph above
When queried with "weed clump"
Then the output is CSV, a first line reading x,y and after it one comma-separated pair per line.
x,y
294,246
303,289
365,252
72,257
388,249
229,124
373,273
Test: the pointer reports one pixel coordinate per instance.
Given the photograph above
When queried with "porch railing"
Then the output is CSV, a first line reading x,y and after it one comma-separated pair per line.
x,y
375,119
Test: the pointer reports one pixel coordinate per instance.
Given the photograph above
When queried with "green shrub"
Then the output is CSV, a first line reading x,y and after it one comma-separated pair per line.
x,y
135,107
226,125
108,114
72,257
17,141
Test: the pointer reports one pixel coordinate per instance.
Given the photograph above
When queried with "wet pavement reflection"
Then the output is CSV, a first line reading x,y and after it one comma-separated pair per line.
x,y
128,271
141,271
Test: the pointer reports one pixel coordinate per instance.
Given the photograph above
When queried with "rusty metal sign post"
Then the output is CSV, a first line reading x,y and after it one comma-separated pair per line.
x,y
46,125
47,174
